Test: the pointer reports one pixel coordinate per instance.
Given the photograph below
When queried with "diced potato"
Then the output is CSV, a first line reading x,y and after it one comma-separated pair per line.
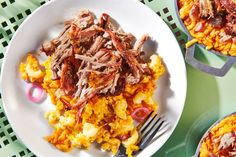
x,y
120,108
89,130
122,126
31,70
132,140
52,116
67,121
156,66
33,73
142,96
127,125
154,61
112,144
139,97
80,140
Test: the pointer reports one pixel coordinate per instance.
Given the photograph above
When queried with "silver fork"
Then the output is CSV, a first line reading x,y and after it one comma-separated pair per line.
x,y
147,130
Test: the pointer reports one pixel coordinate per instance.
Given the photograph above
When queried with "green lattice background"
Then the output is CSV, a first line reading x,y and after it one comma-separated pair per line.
x,y
12,14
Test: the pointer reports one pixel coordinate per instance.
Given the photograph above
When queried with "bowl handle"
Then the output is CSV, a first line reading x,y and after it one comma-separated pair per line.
x,y
190,59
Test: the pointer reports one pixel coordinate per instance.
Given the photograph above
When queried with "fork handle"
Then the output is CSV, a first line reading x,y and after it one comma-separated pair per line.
x,y
121,152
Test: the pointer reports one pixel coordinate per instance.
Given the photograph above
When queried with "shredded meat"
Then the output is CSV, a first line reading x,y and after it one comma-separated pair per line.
x,y
195,12
206,8
230,6
68,79
48,47
108,23
218,5
98,43
92,58
219,13
226,144
139,44
218,21
231,26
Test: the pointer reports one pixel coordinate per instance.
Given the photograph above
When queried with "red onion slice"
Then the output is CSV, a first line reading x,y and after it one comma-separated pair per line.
x,y
140,113
199,27
35,92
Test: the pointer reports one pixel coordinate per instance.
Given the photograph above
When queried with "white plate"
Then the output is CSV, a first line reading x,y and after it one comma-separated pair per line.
x,y
27,118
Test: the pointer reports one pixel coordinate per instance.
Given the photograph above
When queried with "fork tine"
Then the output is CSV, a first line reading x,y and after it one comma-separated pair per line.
x,y
150,125
146,122
146,140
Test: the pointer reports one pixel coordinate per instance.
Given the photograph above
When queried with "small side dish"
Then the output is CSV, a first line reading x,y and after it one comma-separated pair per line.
x,y
98,81
221,139
211,23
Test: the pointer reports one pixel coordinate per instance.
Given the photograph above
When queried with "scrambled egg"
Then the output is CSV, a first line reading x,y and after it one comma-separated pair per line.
x,y
31,70
104,119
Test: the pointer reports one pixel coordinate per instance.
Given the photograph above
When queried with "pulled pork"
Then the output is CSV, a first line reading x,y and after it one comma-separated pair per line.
x,y
95,58
219,13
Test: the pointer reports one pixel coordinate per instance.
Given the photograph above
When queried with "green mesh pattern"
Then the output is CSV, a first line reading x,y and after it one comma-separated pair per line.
x,y
13,13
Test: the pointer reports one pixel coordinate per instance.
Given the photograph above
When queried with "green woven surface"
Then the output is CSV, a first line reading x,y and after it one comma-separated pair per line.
x,y
12,14
208,97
